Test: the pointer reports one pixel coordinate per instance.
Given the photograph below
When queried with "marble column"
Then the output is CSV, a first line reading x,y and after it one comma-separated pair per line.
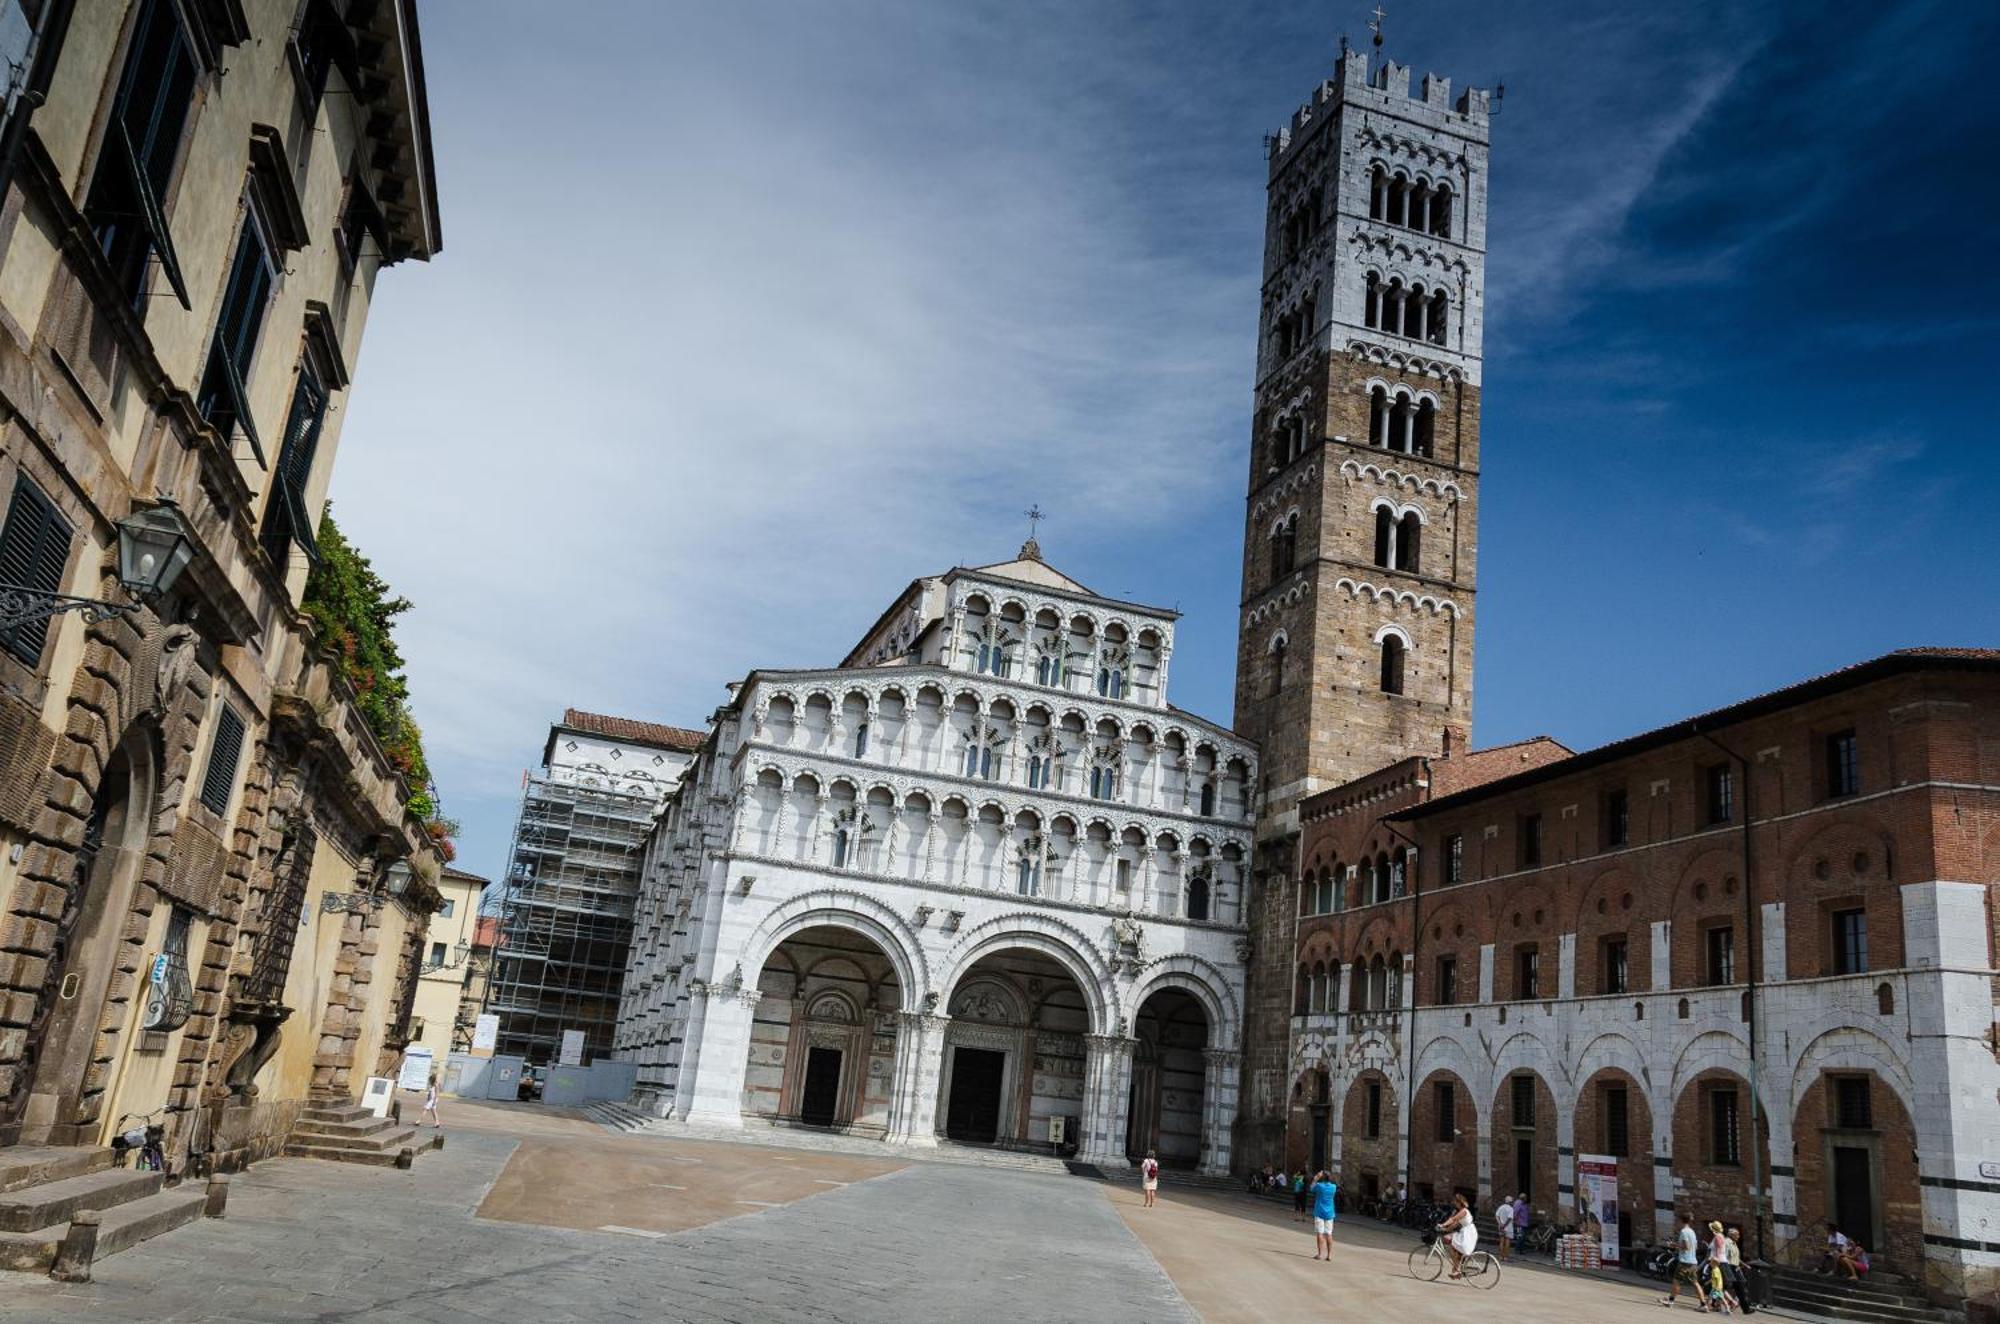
x,y
1107,1094
919,1066
715,1057
1218,1108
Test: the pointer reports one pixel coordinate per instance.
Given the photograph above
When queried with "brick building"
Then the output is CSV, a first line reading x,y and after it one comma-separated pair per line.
x,y
1749,954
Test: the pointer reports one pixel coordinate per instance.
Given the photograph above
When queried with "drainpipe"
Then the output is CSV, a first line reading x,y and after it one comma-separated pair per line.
x,y
1410,1012
1752,955
46,44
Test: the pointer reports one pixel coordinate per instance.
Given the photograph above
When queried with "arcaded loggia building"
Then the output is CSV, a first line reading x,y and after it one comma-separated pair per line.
x,y
979,882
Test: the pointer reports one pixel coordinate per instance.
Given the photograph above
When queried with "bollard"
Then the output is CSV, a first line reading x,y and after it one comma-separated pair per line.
x,y
405,1157
218,1197
78,1249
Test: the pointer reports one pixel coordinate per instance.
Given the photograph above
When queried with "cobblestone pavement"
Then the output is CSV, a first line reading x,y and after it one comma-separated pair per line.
x,y
306,1240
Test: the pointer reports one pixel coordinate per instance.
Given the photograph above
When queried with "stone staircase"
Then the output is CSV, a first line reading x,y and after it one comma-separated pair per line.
x,y
619,1117
345,1132
1877,1299
43,1188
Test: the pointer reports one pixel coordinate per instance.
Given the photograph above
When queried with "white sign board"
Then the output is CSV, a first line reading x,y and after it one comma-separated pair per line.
x,y
572,1049
485,1035
376,1094
1597,1201
416,1072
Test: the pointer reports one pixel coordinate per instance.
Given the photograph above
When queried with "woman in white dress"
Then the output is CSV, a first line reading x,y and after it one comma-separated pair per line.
x,y
1461,1233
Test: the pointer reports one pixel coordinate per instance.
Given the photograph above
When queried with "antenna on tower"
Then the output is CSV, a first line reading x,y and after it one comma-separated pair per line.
x,y
1499,95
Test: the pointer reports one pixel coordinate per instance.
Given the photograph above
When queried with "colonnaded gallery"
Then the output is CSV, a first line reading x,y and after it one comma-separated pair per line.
x,y
981,882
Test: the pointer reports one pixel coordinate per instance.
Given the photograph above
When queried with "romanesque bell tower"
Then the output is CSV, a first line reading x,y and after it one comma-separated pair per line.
x,y
1360,536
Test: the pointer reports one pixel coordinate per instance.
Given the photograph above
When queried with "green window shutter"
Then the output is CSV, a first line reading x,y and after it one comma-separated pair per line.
x,y
223,757
34,548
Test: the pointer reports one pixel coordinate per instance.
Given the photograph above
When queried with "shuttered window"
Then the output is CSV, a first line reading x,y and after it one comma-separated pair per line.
x,y
286,519
223,756
34,548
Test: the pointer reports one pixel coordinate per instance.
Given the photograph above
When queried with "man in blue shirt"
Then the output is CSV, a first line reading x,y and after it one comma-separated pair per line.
x,y
1323,1191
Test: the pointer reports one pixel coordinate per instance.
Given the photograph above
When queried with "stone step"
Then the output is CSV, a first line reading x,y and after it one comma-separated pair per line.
x,y
35,1207
1865,1314
1834,1300
119,1228
378,1158
344,1130
1884,1288
345,1113
29,1165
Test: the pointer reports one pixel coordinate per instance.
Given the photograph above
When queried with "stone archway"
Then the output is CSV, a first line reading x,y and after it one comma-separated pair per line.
x,y
46,1106
1523,1139
1014,1053
1444,1138
823,1040
1165,1112
1370,1129
1614,1118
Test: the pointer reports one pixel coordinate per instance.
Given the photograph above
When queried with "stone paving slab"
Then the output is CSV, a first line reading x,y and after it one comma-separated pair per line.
x,y
308,1241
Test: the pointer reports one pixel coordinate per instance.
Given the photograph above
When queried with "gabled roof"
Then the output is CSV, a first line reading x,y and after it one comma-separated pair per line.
x,y
1029,568
626,728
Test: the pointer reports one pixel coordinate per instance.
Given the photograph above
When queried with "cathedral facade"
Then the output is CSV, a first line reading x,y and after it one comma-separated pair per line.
x,y
979,882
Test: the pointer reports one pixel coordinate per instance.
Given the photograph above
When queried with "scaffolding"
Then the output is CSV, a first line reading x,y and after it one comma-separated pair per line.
x,y
566,916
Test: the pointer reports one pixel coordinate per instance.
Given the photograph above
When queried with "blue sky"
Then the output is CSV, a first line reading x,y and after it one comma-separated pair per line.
x,y
748,314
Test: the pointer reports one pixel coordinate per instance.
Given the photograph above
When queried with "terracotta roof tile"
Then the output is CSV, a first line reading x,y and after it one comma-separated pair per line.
x,y
626,728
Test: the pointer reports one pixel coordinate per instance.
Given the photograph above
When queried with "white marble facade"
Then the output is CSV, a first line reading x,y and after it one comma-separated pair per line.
x,y
980,880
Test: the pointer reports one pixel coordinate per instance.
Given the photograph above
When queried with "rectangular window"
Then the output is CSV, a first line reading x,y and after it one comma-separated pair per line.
x,y
1454,859
34,549
446,906
1616,972
1124,873
1445,1097
437,954
286,518
1725,1148
1374,1109
135,169
1524,1100
1531,841
1843,766
1617,1137
1850,942
223,757
223,399
1853,1109
1720,781
1528,972
1447,980
1617,819
1721,955
861,741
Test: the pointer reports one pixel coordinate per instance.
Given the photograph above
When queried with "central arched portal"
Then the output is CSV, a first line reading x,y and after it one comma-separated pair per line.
x,y
1013,1069
1168,1070
823,1043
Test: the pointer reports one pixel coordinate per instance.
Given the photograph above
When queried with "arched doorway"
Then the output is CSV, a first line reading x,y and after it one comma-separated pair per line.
x,y
1164,1115
1013,1069
46,1106
823,1041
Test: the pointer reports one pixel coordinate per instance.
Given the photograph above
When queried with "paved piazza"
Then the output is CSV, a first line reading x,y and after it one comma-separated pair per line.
x,y
533,1215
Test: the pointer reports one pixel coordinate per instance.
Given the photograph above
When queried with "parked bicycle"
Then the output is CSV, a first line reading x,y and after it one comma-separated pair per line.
x,y
146,1141
1659,1262
1480,1268
1540,1237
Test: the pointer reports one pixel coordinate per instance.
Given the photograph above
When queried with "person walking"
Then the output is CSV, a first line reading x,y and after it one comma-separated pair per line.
x,y
1149,1178
1299,1196
1686,1262
1323,1192
1737,1284
431,1103
1503,1218
1715,1273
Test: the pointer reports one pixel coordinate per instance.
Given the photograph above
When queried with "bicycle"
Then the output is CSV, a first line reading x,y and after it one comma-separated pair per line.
x,y
1479,1269
145,1140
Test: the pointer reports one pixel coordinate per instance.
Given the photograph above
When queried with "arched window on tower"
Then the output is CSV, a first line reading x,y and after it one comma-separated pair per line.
x,y
1385,537
1441,211
1378,194
1400,423
1207,800
1408,530
1197,897
1378,416
1411,301
1284,548
1426,428
1437,318
1373,315
1392,664
1278,647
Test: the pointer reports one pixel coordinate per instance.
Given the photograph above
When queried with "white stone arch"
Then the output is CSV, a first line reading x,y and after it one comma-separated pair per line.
x,y
1206,984
1615,1051
1397,632
1524,1051
1062,943
1447,1053
842,908
1851,1048
1711,1050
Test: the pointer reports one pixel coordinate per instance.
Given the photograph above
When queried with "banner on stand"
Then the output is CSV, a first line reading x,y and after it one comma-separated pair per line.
x,y
1597,1194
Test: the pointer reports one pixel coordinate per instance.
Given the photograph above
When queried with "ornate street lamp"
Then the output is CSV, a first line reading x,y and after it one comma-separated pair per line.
x,y
154,546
